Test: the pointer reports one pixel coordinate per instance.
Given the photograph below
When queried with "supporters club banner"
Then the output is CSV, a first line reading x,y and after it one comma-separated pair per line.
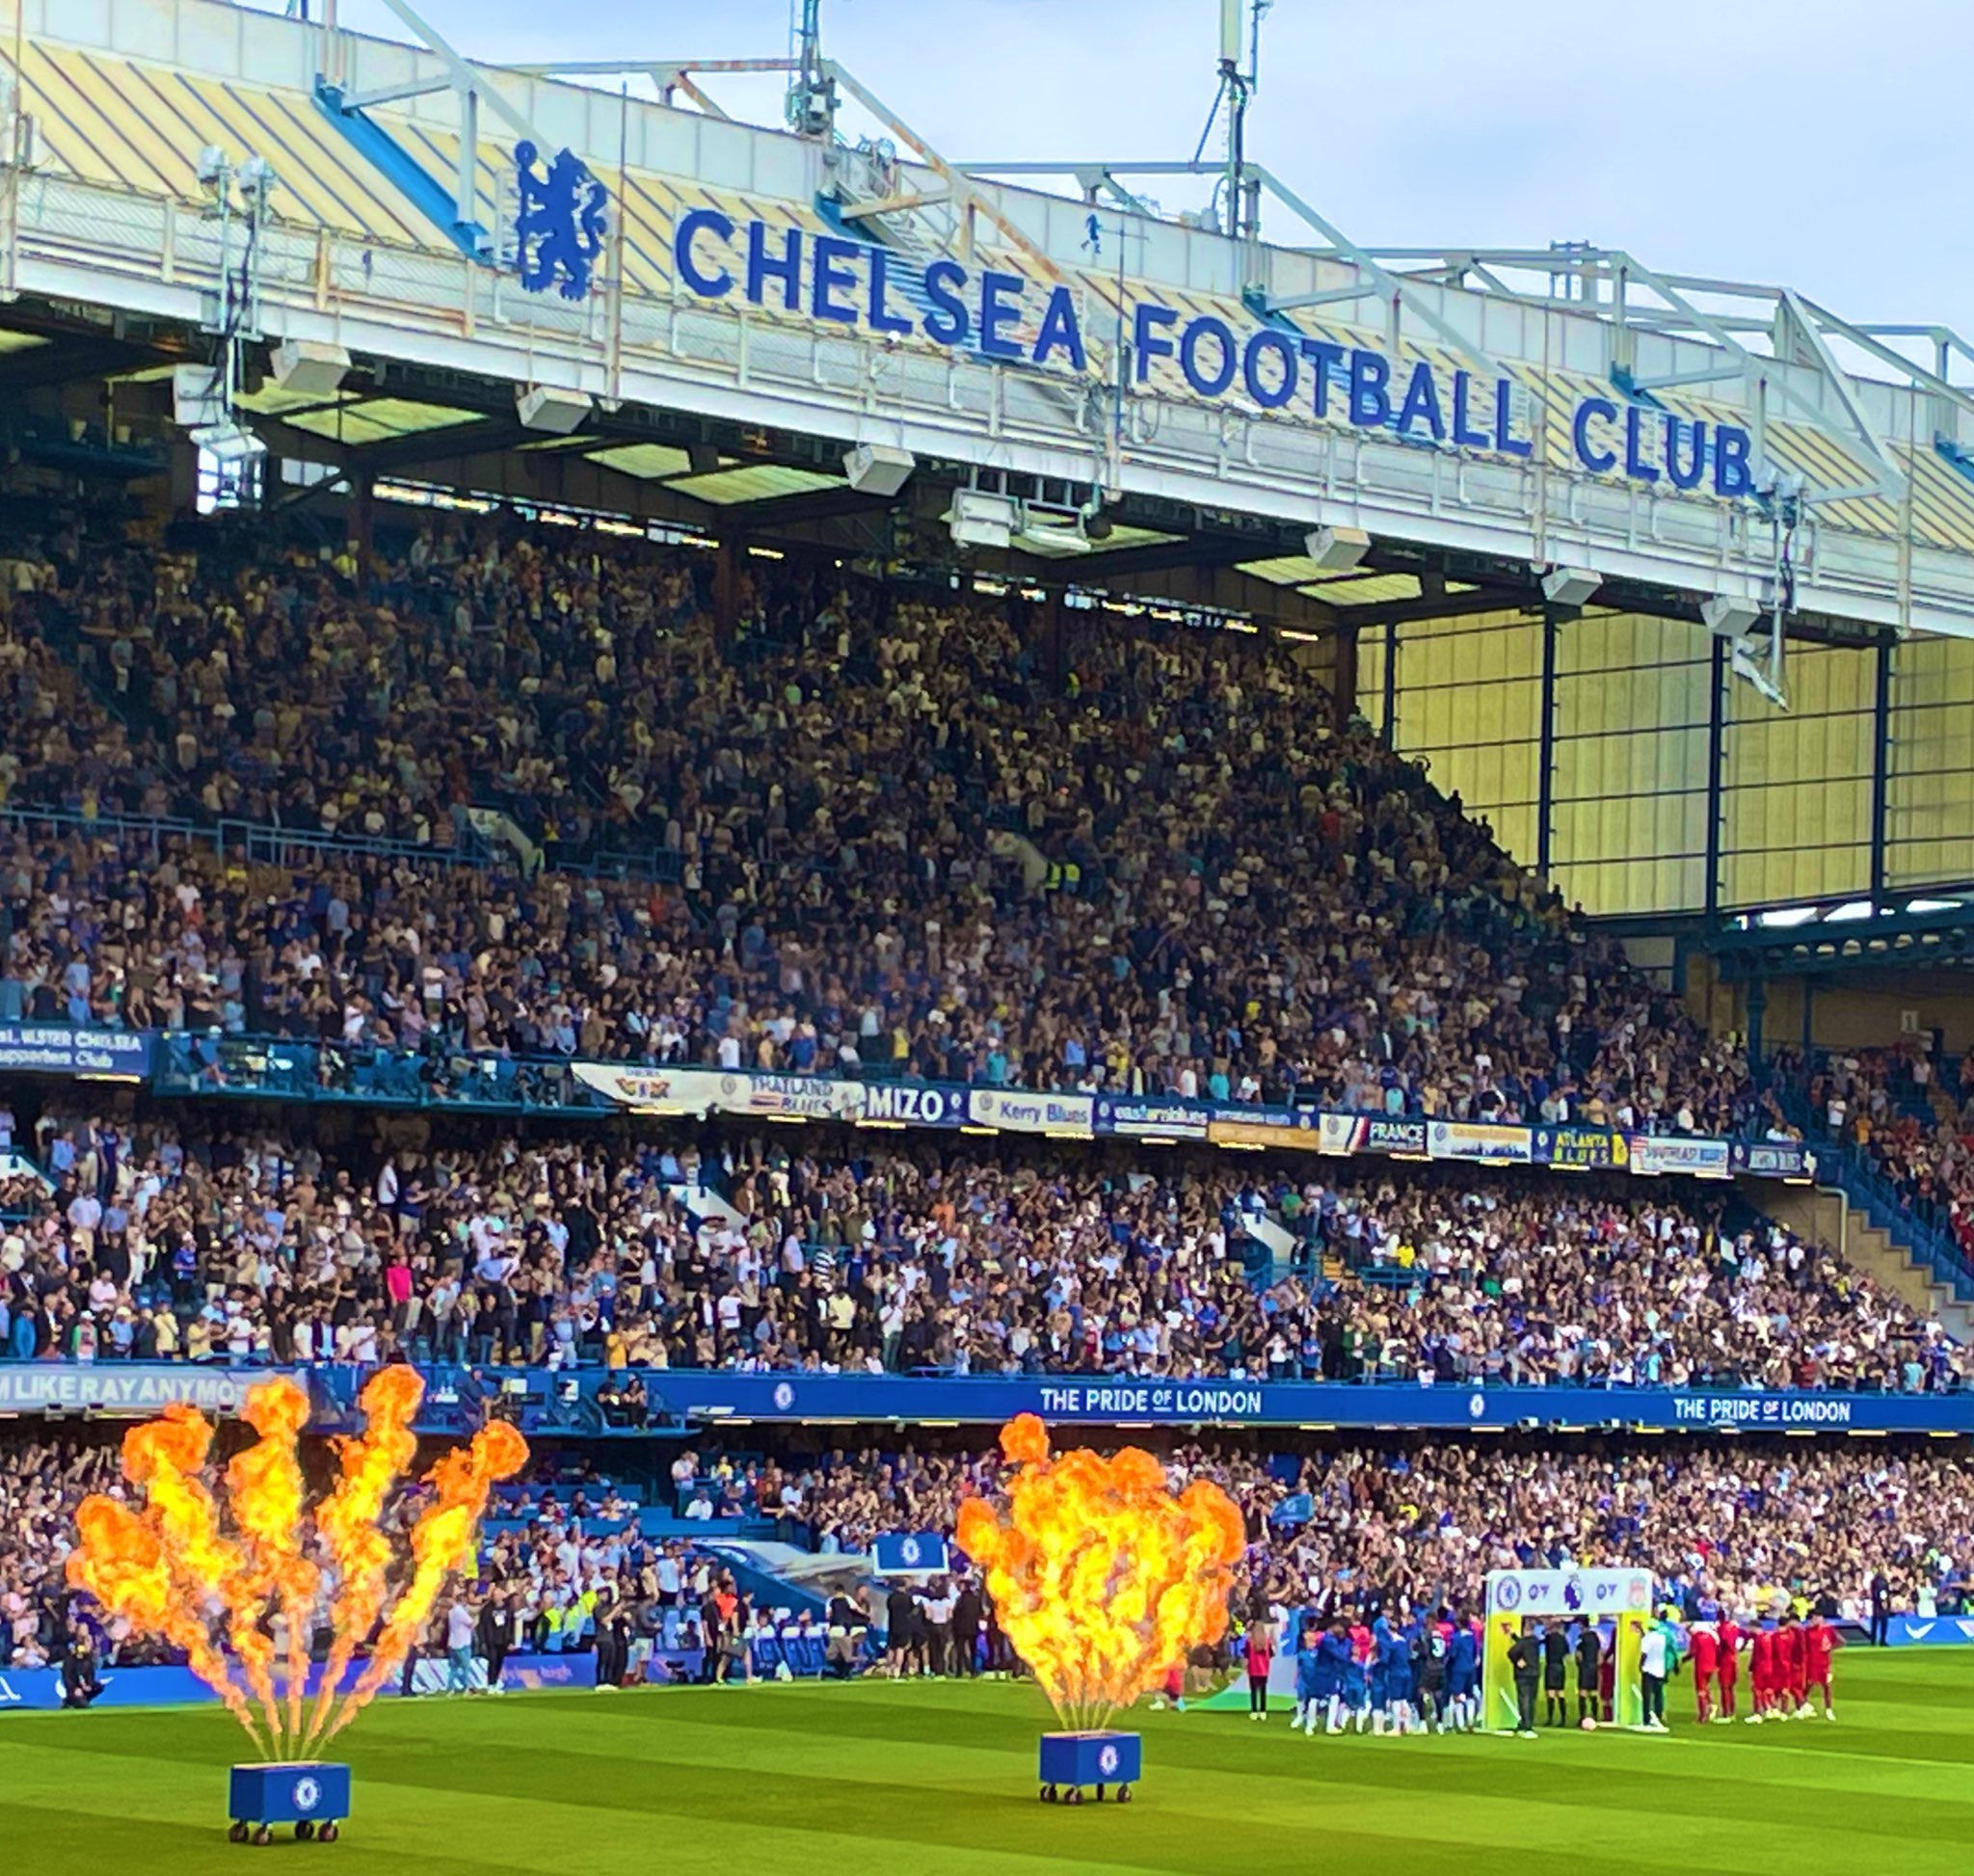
x,y
946,1106
1480,1140
1363,1132
1585,1147
1702,1159
83,1055
1014,1111
1130,1116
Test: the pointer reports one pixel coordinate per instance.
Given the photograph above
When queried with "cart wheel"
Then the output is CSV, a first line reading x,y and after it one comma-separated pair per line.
x,y
327,1834
1076,1797
303,1829
1048,1794
263,1835
1124,1794
236,1834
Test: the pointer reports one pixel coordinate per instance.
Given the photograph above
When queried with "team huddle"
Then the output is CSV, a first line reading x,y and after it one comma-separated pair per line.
x,y
1786,1666
1424,1675
1419,1677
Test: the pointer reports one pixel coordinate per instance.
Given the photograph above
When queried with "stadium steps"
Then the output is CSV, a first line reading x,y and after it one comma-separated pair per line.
x,y
1828,1215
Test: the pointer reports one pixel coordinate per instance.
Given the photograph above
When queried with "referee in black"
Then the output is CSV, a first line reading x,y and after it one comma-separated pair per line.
x,y
1524,1660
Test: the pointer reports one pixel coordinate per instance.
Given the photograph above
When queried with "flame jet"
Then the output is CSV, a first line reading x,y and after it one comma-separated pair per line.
x,y
1102,1578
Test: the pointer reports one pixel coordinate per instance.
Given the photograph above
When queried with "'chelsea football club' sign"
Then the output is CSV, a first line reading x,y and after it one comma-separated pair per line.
x,y
559,222
835,280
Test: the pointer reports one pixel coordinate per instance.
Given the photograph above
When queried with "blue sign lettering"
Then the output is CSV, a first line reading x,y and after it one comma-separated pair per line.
x,y
997,310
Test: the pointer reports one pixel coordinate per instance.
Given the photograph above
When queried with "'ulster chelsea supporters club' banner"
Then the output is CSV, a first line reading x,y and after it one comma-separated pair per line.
x,y
79,1054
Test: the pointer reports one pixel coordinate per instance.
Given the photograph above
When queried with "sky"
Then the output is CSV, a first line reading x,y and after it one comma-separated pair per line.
x,y
1823,146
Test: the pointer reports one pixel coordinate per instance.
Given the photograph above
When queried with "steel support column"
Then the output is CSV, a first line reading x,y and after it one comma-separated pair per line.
x,y
1717,758
1344,676
1388,731
1545,759
1881,761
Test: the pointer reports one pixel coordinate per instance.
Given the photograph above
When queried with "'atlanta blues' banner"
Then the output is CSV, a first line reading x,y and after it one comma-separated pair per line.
x,y
1579,1146
1124,1399
84,1055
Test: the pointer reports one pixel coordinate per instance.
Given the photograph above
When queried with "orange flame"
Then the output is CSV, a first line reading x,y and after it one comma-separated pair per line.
x,y
347,1520
1100,1577
122,1562
441,1543
264,1487
167,1569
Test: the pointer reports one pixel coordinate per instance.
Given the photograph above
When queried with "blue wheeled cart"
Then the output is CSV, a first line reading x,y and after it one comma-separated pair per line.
x,y
311,1795
1072,1762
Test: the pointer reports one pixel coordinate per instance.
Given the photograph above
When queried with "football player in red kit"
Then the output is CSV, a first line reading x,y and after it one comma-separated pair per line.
x,y
1820,1641
1729,1637
1761,1674
1789,1696
1704,1645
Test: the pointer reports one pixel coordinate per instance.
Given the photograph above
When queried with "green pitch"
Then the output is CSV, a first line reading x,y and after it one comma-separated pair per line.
x,y
937,1780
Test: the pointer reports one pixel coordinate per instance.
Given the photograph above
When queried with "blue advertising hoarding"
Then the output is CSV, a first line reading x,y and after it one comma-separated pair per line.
x,y
1128,1400
39,1690
459,1398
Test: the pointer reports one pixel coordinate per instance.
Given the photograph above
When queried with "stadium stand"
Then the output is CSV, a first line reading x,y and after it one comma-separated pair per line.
x,y
254,1249
1168,868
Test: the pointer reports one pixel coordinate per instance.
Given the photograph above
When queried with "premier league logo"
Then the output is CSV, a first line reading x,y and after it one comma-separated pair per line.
x,y
1572,1594
306,1794
1107,1761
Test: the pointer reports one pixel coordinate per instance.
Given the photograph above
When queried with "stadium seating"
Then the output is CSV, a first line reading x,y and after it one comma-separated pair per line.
x,y
152,1244
876,833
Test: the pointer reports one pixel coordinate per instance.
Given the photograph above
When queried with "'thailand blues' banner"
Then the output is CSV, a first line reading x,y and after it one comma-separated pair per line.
x,y
1125,1401
81,1054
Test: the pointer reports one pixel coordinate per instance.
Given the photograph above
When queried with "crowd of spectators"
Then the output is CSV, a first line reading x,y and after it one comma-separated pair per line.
x,y
1911,1116
1751,1524
970,1258
883,830
1754,1526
